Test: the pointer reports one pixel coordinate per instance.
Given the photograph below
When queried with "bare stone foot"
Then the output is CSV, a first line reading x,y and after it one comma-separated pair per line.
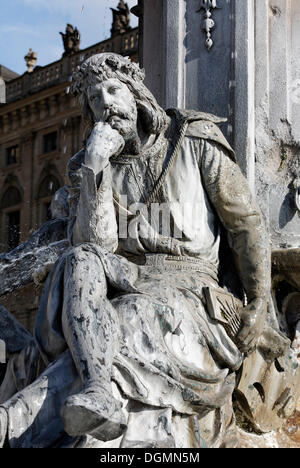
x,y
95,413
3,426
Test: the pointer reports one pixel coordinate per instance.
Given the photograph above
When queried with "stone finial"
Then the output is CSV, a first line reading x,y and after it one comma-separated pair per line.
x,y
121,19
208,24
71,40
30,60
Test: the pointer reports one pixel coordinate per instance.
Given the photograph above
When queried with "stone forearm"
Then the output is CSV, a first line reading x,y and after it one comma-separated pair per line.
x,y
95,217
252,257
229,192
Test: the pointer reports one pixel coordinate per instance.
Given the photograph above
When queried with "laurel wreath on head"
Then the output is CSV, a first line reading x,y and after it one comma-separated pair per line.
x,y
104,65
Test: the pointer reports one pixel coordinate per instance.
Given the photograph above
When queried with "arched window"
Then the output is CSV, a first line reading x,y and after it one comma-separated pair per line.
x,y
11,217
11,197
47,189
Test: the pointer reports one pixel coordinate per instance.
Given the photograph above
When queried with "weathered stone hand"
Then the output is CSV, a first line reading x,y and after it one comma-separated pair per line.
x,y
103,143
253,318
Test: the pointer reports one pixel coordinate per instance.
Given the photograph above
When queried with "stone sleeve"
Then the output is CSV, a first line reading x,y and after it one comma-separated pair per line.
x,y
92,212
238,211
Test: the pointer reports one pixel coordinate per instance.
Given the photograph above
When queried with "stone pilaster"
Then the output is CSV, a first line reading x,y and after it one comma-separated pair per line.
x,y
53,105
6,123
238,59
244,88
15,120
24,116
44,111
181,70
34,112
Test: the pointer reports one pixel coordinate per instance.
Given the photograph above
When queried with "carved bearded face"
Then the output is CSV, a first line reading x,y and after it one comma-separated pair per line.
x,y
110,88
111,101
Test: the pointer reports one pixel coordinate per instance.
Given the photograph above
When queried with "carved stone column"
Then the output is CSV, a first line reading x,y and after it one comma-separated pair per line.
x,y
24,116
44,111
28,150
164,28
277,117
6,123
75,134
34,112
243,103
15,120
63,101
52,105
190,62
238,59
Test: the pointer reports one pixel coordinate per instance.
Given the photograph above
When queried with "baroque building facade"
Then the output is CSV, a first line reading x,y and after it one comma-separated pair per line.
x,y
40,129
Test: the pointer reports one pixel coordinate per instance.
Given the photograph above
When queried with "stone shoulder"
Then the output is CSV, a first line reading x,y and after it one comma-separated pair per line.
x,y
207,130
203,126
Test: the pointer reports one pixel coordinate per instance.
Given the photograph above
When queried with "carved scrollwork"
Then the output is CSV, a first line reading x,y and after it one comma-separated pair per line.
x,y
208,23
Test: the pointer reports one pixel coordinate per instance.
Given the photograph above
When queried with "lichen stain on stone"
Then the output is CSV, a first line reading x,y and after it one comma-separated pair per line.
x,y
81,319
292,427
178,330
276,11
146,341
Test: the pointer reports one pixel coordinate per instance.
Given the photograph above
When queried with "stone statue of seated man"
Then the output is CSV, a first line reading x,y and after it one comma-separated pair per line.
x,y
139,336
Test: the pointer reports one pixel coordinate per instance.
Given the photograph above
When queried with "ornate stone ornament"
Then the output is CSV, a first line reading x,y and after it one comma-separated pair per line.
x,y
30,60
208,23
121,19
71,40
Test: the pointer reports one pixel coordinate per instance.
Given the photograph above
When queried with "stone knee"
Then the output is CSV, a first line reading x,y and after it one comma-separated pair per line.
x,y
84,271
85,291
89,322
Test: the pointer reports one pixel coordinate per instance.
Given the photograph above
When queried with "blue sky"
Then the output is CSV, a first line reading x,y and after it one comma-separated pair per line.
x,y
36,24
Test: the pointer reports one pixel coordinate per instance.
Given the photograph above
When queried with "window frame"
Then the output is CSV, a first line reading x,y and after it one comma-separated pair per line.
x,y
3,154
52,148
4,211
16,156
40,142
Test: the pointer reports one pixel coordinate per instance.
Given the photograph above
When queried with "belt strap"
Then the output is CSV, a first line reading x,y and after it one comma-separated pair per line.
x,y
181,263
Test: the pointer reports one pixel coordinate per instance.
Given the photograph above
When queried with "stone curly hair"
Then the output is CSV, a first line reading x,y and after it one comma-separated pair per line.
x,y
104,66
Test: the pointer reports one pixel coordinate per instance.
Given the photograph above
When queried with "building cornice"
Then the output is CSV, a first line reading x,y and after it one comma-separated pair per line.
x,y
61,71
